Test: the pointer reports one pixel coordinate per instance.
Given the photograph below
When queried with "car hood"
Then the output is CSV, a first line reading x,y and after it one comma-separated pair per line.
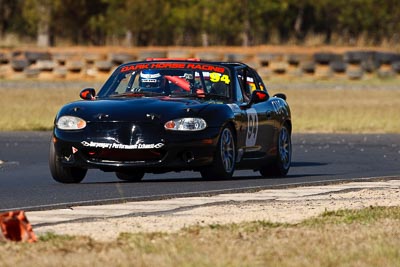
x,y
134,109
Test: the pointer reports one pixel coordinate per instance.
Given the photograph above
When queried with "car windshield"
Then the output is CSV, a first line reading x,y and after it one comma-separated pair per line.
x,y
176,79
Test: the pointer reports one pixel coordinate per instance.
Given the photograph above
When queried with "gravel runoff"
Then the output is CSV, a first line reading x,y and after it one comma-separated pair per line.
x,y
292,205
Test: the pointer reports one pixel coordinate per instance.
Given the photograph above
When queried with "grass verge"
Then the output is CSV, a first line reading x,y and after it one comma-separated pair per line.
x,y
345,110
368,237
313,110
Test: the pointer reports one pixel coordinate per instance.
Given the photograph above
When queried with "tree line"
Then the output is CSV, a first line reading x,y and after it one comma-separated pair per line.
x,y
201,22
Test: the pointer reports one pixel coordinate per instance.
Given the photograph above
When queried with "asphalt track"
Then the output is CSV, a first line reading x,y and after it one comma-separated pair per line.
x,y
26,183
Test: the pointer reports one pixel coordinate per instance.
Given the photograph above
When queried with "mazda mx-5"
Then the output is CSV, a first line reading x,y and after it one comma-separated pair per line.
x,y
163,115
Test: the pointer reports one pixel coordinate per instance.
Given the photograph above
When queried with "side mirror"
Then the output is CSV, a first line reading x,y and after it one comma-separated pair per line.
x,y
258,96
280,95
88,94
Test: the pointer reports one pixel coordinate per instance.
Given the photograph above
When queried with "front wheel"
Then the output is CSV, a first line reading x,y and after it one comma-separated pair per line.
x,y
281,165
63,174
223,165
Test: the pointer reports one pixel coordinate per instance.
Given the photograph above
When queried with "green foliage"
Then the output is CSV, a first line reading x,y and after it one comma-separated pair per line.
x,y
202,22
52,237
363,216
10,17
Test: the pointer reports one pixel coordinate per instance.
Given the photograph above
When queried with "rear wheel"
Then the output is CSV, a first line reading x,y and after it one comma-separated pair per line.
x,y
281,165
223,165
132,176
64,174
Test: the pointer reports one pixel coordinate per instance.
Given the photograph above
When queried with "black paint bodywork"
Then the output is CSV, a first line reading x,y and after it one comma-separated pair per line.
x,y
133,120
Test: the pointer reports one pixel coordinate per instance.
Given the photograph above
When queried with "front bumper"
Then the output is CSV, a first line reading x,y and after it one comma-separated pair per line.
x,y
172,151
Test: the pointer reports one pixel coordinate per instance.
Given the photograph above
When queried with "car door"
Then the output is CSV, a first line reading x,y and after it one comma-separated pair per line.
x,y
261,127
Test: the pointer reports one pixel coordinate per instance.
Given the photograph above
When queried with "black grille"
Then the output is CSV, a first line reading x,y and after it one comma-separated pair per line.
x,y
126,133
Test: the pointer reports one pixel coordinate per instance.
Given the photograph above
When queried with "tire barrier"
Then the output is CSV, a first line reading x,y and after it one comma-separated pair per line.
x,y
19,65
61,58
385,73
14,226
120,58
356,57
355,73
386,58
143,55
325,58
4,58
75,66
178,54
279,67
307,67
89,63
396,67
32,57
233,57
60,72
208,56
45,65
296,59
338,66
104,65
266,58
91,58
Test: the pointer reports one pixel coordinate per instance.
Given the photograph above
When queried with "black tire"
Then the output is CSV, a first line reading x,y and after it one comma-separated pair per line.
x,y
307,67
120,58
385,74
396,67
103,65
281,165
132,176
357,57
33,56
338,66
325,58
4,58
223,165
235,57
75,66
151,54
355,74
19,64
387,58
63,174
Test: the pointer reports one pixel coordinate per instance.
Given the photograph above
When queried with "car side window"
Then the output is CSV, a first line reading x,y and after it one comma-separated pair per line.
x,y
240,97
251,83
239,94
260,83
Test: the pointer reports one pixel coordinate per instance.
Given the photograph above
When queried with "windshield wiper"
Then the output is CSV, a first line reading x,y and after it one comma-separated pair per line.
x,y
138,94
200,95
211,95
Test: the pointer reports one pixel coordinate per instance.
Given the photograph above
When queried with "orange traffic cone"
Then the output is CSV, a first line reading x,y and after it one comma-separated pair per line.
x,y
14,226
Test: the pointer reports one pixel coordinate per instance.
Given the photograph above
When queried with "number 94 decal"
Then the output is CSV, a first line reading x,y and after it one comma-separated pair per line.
x,y
218,77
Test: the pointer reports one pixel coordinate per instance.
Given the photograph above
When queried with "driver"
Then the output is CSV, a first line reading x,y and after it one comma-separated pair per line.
x,y
151,80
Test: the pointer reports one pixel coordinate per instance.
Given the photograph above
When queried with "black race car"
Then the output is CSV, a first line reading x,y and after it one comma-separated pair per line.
x,y
165,115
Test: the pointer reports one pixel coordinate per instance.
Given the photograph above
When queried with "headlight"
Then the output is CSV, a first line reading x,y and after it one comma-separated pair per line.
x,y
70,123
186,124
